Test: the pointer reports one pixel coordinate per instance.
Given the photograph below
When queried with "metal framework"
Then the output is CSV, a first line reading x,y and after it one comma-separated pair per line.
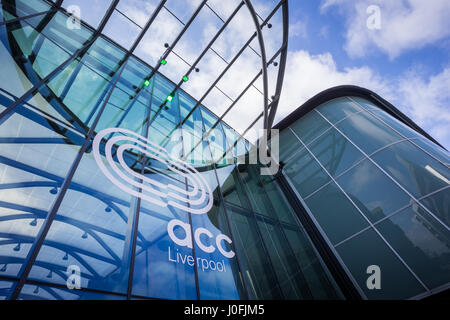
x,y
77,131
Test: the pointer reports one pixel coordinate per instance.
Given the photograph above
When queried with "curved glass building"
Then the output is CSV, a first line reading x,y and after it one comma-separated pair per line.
x,y
115,183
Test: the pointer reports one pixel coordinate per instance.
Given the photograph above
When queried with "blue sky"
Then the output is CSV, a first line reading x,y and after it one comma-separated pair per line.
x,y
407,60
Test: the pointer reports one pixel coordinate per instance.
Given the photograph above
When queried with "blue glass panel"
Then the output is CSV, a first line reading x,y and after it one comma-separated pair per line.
x,y
41,292
5,289
218,275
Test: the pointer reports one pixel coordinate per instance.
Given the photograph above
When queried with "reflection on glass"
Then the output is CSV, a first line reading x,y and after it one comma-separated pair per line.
x,y
335,152
416,171
282,209
439,204
316,276
310,126
255,190
289,274
337,109
372,191
367,133
260,280
5,289
337,216
289,144
39,292
305,173
218,273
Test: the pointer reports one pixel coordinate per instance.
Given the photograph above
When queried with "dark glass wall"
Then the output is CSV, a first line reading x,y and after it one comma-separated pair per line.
x,y
377,190
115,209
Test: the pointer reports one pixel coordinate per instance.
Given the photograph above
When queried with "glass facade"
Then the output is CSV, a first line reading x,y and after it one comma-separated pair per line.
x,y
94,204
378,193
115,183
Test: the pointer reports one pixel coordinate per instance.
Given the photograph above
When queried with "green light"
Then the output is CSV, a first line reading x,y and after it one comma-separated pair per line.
x,y
146,83
163,62
185,78
169,97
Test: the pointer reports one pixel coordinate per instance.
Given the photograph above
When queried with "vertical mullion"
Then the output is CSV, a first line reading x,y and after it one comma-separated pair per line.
x,y
286,239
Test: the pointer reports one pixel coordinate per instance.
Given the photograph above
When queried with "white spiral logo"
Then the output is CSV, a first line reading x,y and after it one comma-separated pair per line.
x,y
199,200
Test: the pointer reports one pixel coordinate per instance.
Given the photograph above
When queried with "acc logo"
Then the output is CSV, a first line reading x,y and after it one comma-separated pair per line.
x,y
199,200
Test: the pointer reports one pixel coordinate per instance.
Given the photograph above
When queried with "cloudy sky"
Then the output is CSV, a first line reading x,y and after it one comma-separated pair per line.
x,y
405,58
406,61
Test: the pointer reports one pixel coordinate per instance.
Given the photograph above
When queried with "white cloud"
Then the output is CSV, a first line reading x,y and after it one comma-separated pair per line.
x,y
298,29
425,101
405,25
306,75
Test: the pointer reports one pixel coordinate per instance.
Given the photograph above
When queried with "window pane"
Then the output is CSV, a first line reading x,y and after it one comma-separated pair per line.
x,y
367,132
257,271
5,289
91,13
310,126
422,242
232,189
439,204
255,191
336,215
305,173
158,270
338,109
335,152
281,206
218,275
434,150
39,292
122,30
372,191
288,144
286,267
397,125
368,249
365,103
413,169
317,278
